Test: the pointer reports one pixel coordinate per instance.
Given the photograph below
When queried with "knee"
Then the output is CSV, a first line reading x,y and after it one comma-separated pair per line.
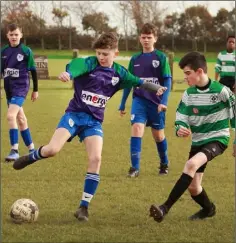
x,y
191,166
52,151
95,161
159,137
137,129
21,120
11,117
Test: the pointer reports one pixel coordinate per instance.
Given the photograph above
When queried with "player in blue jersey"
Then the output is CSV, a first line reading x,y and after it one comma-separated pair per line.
x,y
147,108
16,62
96,79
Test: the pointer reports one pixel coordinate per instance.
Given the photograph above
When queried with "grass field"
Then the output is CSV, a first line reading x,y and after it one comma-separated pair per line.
x,y
119,210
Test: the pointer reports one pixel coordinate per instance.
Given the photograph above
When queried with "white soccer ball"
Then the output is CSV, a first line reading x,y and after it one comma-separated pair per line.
x,y
24,211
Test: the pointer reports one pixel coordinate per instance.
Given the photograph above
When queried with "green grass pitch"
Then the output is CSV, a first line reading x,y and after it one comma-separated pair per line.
x,y
119,210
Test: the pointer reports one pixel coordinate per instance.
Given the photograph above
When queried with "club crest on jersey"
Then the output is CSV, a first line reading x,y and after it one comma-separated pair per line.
x,y
114,80
195,111
155,63
214,98
19,57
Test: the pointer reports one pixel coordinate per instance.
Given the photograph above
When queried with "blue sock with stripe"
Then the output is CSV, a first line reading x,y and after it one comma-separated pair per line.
x,y
162,151
36,155
90,187
13,134
135,151
26,136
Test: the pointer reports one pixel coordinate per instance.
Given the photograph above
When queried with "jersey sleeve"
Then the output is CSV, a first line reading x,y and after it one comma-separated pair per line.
x,y
80,66
127,79
228,97
131,65
165,67
182,117
30,58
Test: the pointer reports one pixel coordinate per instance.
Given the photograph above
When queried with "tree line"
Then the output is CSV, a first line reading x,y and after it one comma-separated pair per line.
x,y
192,29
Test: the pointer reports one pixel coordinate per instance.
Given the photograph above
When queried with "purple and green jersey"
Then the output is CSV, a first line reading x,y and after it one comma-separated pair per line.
x,y
152,67
94,85
16,62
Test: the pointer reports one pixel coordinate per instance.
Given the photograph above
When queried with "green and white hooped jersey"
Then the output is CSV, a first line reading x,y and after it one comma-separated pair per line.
x,y
225,64
207,113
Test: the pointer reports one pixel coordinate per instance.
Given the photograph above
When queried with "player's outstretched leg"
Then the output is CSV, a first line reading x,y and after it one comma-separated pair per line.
x,y
158,212
28,159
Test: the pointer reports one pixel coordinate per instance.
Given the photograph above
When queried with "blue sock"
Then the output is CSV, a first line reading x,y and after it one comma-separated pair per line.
x,y
90,187
36,155
26,137
162,151
135,151
13,133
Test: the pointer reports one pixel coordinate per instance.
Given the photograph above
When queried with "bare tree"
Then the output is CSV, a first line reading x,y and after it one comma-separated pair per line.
x,y
82,8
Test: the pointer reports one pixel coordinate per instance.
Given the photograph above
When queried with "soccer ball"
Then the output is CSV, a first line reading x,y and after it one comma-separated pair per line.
x,y
24,211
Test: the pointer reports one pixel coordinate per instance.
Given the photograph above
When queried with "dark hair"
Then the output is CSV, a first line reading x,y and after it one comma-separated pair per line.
x,y
148,29
194,60
108,40
12,27
230,36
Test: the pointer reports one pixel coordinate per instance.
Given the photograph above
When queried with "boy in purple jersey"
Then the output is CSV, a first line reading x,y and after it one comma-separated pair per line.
x,y
96,79
16,62
148,109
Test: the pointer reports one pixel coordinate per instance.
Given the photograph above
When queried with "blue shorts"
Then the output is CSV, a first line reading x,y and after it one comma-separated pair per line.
x,y
145,111
16,100
80,124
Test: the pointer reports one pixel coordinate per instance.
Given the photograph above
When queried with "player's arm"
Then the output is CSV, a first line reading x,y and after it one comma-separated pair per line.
x,y
166,74
126,91
228,97
32,68
218,67
182,118
128,80
234,148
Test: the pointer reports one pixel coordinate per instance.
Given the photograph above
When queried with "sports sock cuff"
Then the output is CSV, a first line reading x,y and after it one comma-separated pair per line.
x,y
39,153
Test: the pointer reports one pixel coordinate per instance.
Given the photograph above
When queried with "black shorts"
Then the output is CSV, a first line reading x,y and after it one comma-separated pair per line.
x,y
211,150
229,82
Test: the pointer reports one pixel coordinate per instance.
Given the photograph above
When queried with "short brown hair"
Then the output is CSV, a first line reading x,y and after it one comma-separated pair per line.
x,y
149,29
12,27
106,41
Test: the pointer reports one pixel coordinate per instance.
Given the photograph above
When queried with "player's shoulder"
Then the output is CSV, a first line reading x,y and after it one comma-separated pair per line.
x,y
119,69
223,52
26,49
160,54
216,86
4,48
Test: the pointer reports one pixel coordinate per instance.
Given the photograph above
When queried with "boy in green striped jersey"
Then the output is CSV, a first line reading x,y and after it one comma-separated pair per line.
x,y
204,113
225,64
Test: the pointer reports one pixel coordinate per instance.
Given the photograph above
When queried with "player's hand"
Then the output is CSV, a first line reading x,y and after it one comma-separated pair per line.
x,y
234,150
34,96
64,77
161,90
161,108
183,132
122,113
